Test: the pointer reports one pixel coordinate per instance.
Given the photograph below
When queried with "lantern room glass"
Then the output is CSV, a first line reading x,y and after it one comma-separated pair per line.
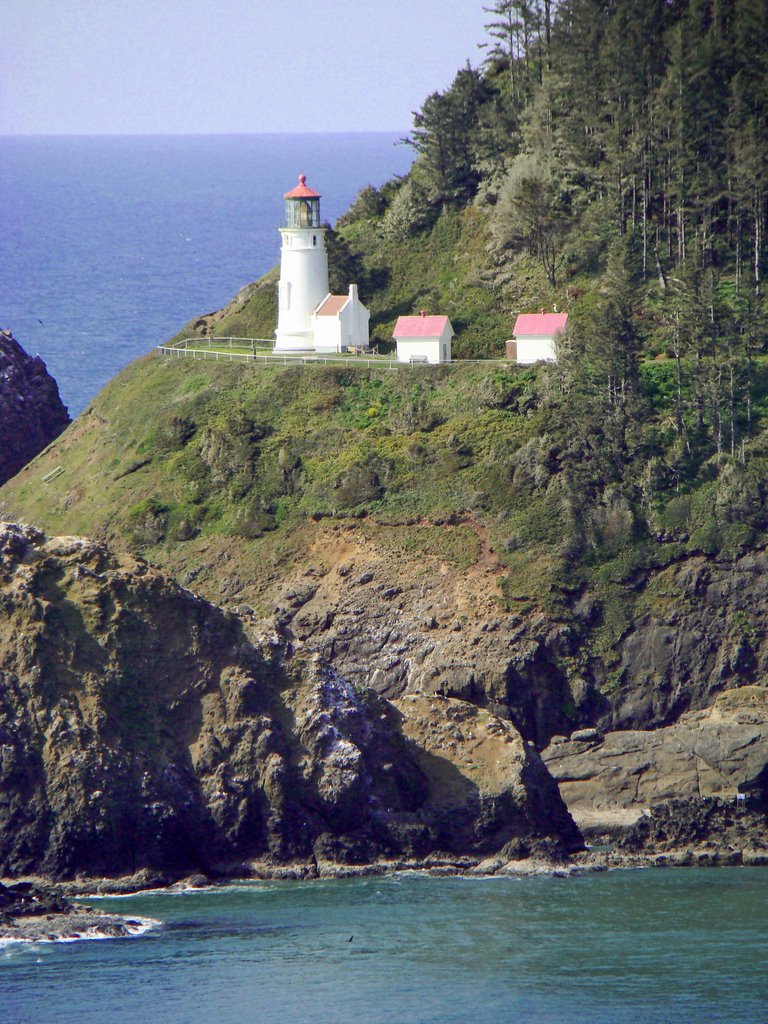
x,y
302,213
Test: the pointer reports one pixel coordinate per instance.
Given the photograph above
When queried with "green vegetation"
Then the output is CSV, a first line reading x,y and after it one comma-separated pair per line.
x,y
607,157
176,455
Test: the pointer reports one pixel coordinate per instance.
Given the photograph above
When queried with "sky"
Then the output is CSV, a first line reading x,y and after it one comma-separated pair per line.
x,y
92,67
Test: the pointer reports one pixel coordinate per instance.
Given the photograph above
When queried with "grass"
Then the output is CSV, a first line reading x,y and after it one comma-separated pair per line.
x,y
201,461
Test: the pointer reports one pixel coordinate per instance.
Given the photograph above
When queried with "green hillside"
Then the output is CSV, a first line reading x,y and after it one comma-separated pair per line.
x,y
609,158
187,461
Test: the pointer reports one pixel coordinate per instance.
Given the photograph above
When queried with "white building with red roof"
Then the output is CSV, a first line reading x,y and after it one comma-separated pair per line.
x,y
340,323
309,318
536,336
423,339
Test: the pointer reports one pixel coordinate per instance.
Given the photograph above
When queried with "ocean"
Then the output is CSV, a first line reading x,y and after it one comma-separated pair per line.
x,y
666,946
109,245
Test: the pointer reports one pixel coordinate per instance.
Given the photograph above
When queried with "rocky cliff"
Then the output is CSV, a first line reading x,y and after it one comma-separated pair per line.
x,y
31,412
143,727
720,753
372,523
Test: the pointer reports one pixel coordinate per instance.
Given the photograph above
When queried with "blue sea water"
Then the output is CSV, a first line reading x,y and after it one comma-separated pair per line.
x,y
109,245
628,947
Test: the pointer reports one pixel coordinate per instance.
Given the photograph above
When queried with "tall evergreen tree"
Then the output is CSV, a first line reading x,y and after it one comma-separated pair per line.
x,y
446,138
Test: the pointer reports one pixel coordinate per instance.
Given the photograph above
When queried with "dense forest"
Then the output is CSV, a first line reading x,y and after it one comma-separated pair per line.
x,y
598,120
620,140
611,157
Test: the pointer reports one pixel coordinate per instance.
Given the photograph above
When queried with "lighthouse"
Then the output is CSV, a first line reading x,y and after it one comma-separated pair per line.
x,y
303,269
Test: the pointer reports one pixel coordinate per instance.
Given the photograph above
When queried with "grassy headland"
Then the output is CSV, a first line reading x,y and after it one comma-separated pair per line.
x,y
643,447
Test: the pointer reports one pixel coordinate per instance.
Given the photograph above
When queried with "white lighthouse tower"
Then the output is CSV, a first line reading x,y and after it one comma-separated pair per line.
x,y
303,269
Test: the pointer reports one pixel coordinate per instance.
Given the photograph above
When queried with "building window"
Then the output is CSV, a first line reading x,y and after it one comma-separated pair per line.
x,y
314,239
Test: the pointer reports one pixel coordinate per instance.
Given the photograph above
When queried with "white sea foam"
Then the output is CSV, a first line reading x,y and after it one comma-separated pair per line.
x,y
246,885
185,890
136,926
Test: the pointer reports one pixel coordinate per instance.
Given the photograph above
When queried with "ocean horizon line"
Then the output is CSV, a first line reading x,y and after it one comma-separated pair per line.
x,y
195,135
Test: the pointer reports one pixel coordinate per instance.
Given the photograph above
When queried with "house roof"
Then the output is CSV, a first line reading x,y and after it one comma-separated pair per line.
x,y
547,324
420,326
331,305
302,190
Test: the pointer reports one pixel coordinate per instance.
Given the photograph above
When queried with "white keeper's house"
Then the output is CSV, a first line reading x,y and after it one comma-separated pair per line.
x,y
340,323
309,318
423,339
535,337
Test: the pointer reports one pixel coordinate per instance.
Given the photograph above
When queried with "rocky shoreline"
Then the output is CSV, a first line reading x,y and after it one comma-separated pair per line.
x,y
142,726
38,908
624,854
31,912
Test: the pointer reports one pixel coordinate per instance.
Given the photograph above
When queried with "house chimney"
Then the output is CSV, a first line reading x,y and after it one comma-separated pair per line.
x,y
353,292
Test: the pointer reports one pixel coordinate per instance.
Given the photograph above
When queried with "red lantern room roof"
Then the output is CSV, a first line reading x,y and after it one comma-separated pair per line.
x,y
302,191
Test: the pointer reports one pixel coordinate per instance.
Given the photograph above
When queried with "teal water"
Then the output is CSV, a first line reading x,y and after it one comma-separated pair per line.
x,y
630,946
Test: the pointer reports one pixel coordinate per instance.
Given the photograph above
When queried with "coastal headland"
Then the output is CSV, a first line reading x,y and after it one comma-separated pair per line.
x,y
350,674
337,618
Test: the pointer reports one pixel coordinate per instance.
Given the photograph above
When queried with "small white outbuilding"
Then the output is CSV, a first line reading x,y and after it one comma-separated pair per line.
x,y
536,336
423,339
340,322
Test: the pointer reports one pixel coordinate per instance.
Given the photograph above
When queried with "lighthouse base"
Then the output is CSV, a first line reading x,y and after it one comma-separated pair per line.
x,y
301,341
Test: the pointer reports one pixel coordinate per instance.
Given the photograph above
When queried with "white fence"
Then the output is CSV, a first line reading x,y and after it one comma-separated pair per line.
x,y
183,349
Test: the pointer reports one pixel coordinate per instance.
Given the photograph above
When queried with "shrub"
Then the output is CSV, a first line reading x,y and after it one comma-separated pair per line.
x,y
370,203
174,433
146,522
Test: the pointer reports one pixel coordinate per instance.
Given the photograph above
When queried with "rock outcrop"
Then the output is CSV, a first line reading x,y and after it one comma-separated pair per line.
x,y
142,727
34,913
699,629
428,628
31,412
710,755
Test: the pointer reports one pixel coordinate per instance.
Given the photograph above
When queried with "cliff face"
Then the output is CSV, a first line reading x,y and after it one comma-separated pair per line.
x,y
141,726
378,526
705,755
31,412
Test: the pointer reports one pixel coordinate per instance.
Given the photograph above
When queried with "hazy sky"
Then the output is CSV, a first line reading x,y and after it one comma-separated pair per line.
x,y
134,66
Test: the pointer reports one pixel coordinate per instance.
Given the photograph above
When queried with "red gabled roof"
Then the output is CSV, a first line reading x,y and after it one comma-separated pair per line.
x,y
331,305
420,326
302,190
547,324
